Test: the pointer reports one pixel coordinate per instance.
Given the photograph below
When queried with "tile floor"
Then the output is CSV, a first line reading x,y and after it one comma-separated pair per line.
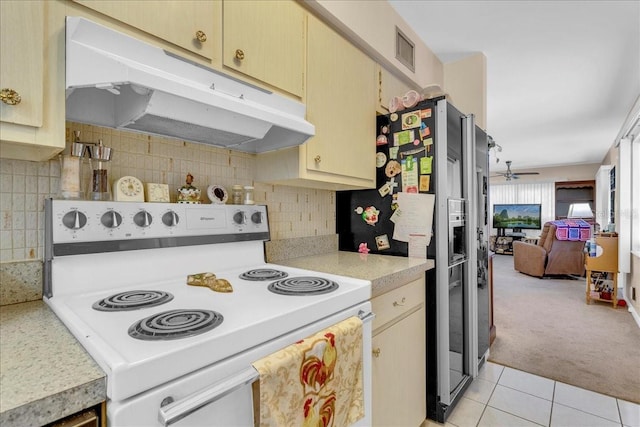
x,y
505,397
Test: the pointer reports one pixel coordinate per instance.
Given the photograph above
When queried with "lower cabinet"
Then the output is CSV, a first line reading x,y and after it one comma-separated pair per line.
x,y
91,417
399,357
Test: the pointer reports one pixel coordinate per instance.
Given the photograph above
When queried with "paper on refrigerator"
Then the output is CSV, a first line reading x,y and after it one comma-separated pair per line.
x,y
413,218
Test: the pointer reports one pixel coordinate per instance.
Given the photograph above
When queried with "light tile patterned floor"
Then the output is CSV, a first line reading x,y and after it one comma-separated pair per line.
x,y
505,397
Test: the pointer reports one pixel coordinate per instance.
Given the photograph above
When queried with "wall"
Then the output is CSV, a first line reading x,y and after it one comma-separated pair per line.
x,y
372,28
293,212
465,80
552,174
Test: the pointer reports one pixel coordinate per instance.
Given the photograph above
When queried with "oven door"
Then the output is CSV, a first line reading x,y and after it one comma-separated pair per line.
x,y
212,397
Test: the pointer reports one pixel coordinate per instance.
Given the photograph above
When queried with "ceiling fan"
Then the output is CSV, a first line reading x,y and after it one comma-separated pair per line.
x,y
508,175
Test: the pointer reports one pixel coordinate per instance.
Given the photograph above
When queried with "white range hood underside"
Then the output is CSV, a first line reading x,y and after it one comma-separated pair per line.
x,y
116,81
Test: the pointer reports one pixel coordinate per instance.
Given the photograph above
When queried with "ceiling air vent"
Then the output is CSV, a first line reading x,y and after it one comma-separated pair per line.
x,y
405,50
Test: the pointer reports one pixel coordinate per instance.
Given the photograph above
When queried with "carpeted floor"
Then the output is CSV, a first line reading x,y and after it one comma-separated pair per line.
x,y
545,327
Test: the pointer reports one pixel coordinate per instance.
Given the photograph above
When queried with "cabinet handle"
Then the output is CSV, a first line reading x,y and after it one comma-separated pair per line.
x,y
201,36
401,303
10,96
239,54
317,159
376,352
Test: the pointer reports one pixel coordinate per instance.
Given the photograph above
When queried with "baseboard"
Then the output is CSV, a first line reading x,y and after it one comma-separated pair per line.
x,y
633,311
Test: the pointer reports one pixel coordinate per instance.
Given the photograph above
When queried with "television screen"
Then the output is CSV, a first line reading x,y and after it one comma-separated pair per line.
x,y
517,216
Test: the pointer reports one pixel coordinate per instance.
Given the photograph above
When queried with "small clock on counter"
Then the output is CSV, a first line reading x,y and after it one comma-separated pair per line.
x,y
217,194
156,192
128,189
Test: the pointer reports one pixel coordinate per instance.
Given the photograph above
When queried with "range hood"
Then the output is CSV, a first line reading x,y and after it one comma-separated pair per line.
x,y
116,81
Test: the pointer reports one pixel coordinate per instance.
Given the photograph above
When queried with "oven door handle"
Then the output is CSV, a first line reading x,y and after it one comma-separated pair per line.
x,y
176,411
366,317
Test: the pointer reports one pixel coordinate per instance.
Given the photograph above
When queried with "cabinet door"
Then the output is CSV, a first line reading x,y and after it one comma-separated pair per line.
x,y
388,87
32,65
191,24
398,378
265,40
22,60
341,99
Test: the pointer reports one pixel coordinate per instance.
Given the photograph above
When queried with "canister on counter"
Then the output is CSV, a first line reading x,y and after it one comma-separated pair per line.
x,y
237,194
248,195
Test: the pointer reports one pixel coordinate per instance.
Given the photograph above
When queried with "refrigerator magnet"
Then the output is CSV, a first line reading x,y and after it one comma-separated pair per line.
x,y
363,248
359,210
393,117
370,215
409,176
412,152
404,137
381,140
408,163
393,152
394,202
393,168
381,159
427,142
425,132
425,181
426,113
385,189
425,165
382,242
411,120
392,183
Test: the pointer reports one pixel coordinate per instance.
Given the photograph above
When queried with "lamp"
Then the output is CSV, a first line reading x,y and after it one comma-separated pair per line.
x,y
580,210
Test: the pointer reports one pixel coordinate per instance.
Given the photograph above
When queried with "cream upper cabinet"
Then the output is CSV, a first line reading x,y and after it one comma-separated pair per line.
x,y
193,25
21,76
399,357
31,112
265,40
388,87
341,104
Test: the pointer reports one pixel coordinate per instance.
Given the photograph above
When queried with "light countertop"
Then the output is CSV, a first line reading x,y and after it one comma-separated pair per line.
x,y
385,272
45,374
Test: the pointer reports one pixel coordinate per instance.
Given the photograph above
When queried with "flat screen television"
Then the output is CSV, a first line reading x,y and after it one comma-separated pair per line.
x,y
516,217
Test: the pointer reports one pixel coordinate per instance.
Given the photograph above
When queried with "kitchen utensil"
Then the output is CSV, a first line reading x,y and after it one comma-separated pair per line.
x,y
100,156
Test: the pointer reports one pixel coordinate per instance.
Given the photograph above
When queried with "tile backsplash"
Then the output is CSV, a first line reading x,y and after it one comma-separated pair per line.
x,y
293,212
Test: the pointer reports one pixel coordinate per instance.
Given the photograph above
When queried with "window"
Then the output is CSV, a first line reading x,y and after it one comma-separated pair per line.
x,y
539,192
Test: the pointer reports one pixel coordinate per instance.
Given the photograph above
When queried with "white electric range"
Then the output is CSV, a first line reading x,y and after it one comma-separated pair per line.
x,y
116,273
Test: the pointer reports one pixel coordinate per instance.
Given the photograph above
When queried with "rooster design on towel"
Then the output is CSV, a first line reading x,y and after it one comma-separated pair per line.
x,y
315,382
316,371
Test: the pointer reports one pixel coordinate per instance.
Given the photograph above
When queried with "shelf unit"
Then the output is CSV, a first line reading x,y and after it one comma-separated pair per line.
x,y
602,270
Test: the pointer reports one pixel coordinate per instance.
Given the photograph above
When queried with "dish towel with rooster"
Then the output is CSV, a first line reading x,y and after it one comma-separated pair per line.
x,y
316,382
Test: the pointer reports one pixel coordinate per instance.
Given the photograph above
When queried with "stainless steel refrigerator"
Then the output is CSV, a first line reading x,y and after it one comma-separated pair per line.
x,y
433,148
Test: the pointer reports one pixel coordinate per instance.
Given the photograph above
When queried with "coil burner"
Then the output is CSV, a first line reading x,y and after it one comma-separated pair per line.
x,y
132,300
303,286
261,274
175,324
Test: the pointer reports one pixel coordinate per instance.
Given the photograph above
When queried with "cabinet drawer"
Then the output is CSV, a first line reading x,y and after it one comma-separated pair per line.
x,y
397,302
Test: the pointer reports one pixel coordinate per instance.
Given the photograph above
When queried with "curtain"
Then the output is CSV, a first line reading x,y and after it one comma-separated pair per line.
x,y
535,192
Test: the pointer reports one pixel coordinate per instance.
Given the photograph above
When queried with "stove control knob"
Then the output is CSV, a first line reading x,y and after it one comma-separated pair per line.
x,y
239,217
143,219
74,220
111,219
256,218
170,219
